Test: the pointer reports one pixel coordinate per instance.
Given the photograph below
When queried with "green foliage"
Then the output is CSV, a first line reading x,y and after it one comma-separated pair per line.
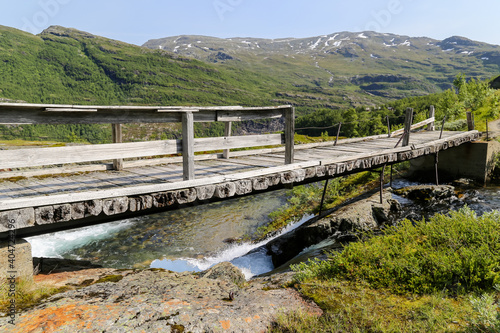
x,y
28,294
306,199
458,253
487,314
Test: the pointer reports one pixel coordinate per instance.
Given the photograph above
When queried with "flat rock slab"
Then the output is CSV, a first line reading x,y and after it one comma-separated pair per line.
x,y
159,301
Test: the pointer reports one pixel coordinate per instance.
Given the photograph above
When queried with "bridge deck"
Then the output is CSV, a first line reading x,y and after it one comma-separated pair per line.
x,y
141,188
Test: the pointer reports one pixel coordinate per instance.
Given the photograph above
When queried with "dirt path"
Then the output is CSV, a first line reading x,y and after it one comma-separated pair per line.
x,y
494,128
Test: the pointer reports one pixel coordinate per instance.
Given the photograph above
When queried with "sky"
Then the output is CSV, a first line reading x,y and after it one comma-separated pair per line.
x,y
136,22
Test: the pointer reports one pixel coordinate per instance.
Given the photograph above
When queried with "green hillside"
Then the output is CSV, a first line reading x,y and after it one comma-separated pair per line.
x,y
331,74
68,66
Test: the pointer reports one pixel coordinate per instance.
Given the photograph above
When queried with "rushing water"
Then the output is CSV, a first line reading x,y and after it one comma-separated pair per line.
x,y
193,238
196,234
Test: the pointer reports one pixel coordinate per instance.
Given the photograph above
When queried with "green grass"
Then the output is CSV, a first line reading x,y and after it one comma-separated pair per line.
x,y
28,294
306,199
356,307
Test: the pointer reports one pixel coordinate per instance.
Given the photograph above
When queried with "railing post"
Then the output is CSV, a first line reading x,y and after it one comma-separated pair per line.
x,y
289,134
470,121
188,145
432,113
408,122
117,138
227,133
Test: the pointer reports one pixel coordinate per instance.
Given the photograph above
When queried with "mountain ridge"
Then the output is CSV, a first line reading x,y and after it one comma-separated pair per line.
x,y
415,65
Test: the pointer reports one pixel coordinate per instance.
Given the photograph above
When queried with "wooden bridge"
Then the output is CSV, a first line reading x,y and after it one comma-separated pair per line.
x,y
37,199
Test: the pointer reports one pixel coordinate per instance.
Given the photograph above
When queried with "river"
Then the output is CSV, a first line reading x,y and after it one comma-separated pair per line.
x,y
195,238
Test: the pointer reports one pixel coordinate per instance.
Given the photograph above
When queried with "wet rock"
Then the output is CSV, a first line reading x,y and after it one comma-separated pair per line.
x,y
367,214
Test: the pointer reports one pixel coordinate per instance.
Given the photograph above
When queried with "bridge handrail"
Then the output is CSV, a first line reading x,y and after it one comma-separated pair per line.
x,y
22,113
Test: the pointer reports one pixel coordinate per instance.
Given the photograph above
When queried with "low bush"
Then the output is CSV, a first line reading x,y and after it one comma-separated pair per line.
x,y
456,253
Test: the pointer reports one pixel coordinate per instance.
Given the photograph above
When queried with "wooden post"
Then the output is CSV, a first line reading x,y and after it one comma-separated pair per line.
x,y
436,167
470,121
188,145
487,131
289,134
432,113
442,128
388,127
227,133
408,123
338,134
117,138
392,174
323,198
382,174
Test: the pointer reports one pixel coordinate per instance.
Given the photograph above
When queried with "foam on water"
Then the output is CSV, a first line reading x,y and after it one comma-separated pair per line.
x,y
251,258
56,244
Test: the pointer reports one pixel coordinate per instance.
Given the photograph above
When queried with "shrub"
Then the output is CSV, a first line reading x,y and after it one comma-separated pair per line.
x,y
458,253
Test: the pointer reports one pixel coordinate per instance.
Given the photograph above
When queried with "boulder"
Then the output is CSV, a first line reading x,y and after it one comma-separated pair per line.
x,y
427,193
362,215
225,271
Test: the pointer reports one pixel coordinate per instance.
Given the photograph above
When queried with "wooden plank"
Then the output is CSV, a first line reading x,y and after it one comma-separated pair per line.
x,y
69,110
209,144
253,162
242,115
188,146
415,126
275,158
55,171
157,174
33,157
144,189
25,113
222,167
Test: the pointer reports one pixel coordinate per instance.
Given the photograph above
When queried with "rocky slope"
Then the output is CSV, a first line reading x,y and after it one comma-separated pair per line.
x,y
160,301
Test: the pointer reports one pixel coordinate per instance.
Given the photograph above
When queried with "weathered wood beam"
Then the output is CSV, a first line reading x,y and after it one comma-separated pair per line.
x,y
227,133
289,115
407,128
470,121
117,138
233,142
188,145
432,115
33,157
23,113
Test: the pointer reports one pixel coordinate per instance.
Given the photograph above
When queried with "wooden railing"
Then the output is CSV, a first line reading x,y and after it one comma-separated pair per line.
x,y
14,113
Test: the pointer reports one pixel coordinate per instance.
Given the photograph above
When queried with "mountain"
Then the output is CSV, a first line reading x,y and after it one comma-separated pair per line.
x,y
63,65
346,67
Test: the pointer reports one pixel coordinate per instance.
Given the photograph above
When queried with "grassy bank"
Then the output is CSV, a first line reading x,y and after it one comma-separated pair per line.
x,y
431,276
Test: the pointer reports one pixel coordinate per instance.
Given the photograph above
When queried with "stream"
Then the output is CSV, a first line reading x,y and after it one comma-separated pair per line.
x,y
198,237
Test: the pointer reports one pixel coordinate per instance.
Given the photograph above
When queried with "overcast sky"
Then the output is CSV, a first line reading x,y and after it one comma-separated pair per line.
x,y
138,21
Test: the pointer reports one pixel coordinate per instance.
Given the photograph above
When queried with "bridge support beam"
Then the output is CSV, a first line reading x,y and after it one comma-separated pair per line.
x,y
474,160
